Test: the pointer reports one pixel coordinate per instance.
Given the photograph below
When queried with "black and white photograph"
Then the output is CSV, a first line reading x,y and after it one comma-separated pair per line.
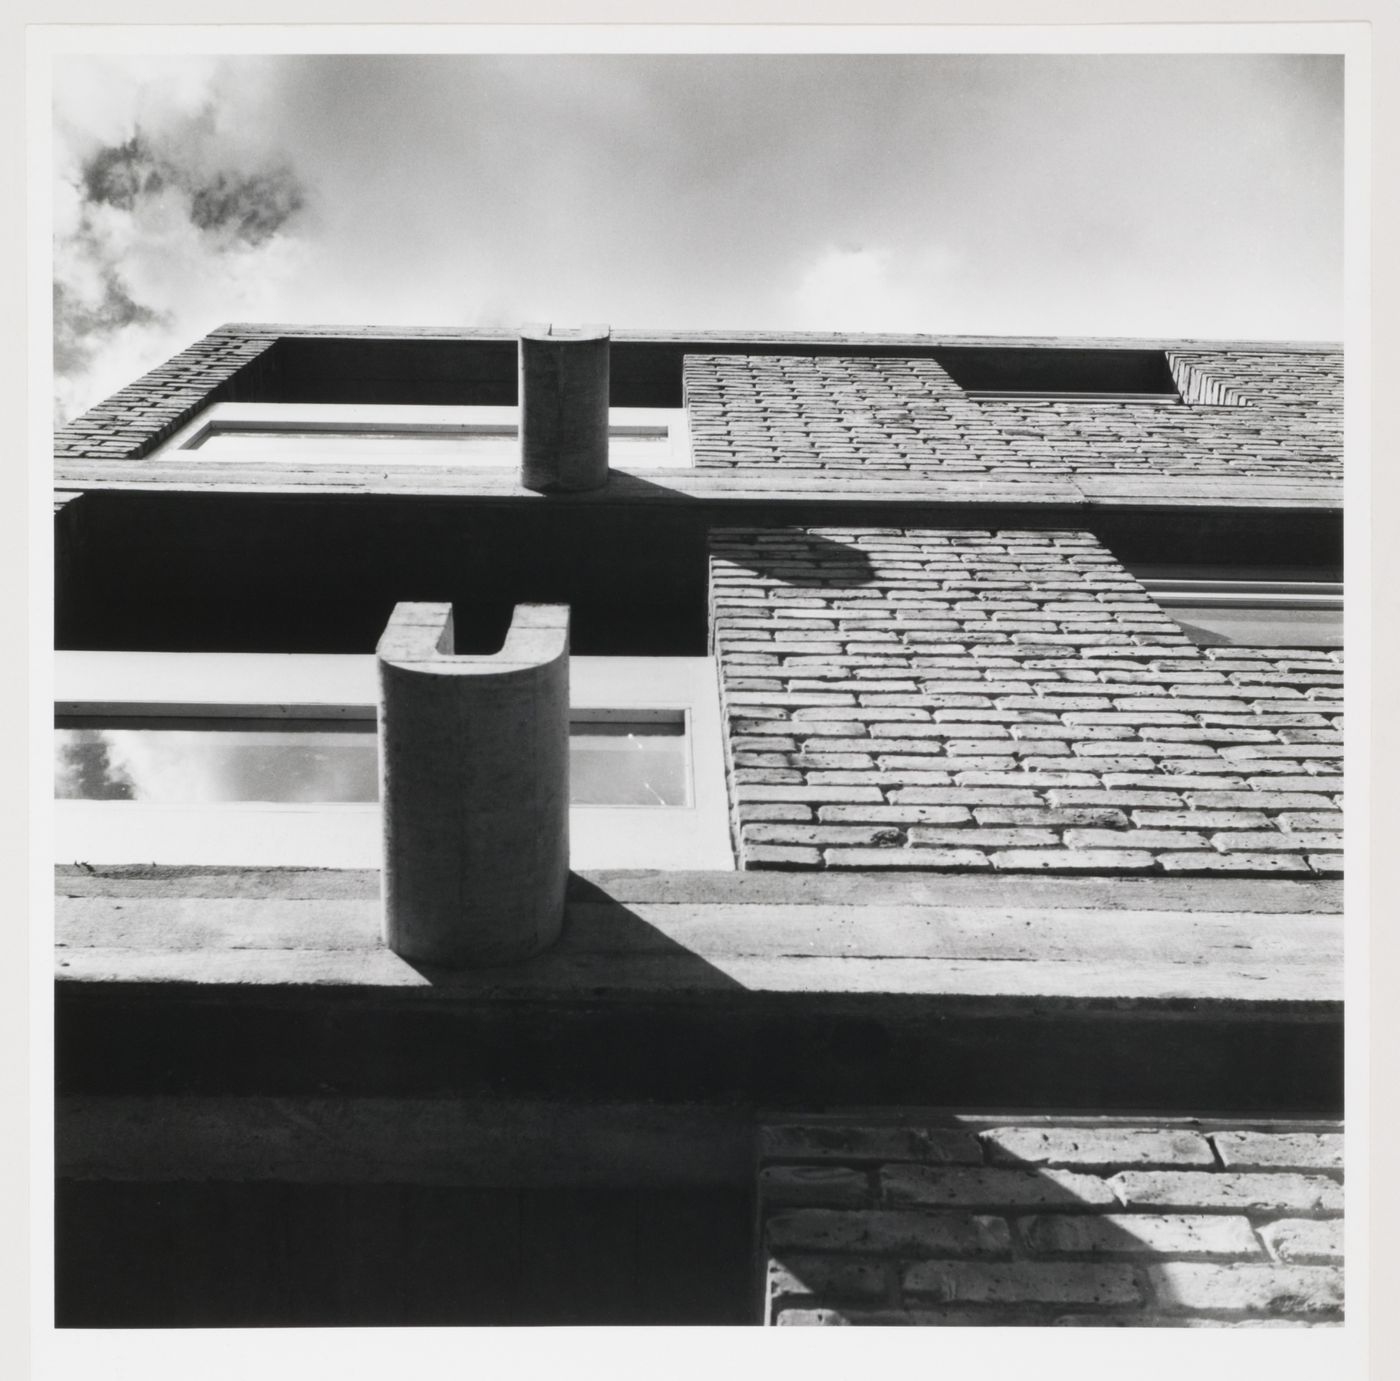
x,y
699,683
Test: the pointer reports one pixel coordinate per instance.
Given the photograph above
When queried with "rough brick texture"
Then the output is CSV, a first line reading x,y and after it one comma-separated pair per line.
x,y
1241,414
1009,701
137,418
1056,1221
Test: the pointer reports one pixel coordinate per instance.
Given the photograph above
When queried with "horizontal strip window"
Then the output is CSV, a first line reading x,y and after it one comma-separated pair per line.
x,y
1005,395
616,758
1301,594
273,761
485,437
1253,613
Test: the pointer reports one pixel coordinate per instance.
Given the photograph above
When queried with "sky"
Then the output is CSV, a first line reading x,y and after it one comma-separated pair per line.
x,y
1132,196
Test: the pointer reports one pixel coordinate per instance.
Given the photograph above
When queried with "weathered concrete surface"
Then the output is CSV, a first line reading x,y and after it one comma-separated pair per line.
x,y
563,408
1256,895
1076,992
444,1141
616,950
474,780
1067,500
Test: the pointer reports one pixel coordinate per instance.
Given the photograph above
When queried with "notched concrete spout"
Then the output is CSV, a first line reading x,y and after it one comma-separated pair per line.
x,y
474,784
564,387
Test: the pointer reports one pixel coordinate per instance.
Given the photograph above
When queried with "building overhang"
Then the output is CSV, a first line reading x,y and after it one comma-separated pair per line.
x,y
735,988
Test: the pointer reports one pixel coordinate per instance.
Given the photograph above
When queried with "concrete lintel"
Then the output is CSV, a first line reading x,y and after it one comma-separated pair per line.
x,y
474,757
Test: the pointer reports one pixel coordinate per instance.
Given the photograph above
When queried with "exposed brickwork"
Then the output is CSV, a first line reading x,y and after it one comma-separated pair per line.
x,y
975,701
1253,415
1308,387
933,1242
137,418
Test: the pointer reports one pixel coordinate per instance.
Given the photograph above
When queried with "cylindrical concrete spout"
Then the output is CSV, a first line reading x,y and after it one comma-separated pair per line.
x,y
474,783
563,408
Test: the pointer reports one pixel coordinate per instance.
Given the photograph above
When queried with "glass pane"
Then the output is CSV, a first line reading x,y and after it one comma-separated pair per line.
x,y
612,762
622,763
498,446
189,766
1216,626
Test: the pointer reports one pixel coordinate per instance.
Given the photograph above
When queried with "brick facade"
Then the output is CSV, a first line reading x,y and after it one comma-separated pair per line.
x,y
1253,415
931,661
137,418
1009,700
985,1222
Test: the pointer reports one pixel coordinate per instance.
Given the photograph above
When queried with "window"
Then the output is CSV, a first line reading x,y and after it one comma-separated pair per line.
x,y
1252,613
1075,374
1041,395
273,760
330,434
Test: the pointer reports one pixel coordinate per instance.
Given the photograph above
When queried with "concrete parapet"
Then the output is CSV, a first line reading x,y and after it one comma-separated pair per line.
x,y
474,780
564,384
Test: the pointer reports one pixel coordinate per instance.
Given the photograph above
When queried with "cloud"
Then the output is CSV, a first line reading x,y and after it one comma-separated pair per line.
x,y
251,210
860,288
80,323
168,219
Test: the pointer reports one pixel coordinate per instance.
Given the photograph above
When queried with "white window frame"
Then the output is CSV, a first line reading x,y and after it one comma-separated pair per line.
x,y
466,421
290,686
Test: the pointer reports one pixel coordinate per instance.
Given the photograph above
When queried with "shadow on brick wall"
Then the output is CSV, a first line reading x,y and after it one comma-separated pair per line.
x,y
808,558
1095,1224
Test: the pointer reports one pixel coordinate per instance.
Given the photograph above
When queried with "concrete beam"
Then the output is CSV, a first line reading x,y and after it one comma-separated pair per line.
x,y
797,990
477,1143
564,390
474,780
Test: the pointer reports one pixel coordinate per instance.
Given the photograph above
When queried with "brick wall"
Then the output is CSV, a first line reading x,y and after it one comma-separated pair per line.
x,y
1012,701
1248,413
1054,1222
137,418
1245,415
1299,389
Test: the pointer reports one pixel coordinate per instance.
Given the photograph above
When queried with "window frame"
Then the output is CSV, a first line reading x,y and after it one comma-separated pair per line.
x,y
473,419
332,834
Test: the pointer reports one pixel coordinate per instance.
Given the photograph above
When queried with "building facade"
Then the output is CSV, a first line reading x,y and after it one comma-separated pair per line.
x,y
953,929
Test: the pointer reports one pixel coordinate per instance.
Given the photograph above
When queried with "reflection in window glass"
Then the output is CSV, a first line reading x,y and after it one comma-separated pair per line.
x,y
612,762
1216,626
209,765
621,763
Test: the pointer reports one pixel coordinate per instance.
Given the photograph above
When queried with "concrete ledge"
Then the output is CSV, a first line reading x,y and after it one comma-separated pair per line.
x,y
719,485
1074,944
1037,890
1187,994
714,338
